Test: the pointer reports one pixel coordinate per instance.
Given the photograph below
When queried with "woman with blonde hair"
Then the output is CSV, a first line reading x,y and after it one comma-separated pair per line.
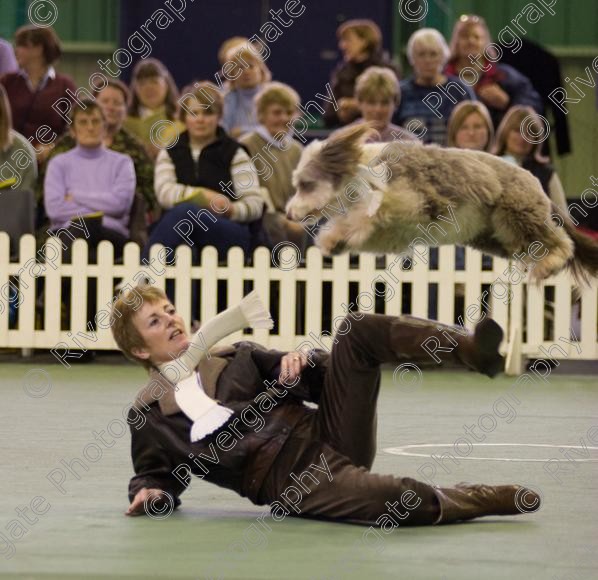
x,y
276,155
154,101
497,85
470,127
378,94
517,142
239,115
207,170
360,42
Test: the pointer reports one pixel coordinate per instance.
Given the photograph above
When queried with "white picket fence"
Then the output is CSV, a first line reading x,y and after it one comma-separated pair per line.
x,y
519,308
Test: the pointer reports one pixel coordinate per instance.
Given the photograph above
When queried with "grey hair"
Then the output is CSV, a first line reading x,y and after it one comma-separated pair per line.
x,y
428,36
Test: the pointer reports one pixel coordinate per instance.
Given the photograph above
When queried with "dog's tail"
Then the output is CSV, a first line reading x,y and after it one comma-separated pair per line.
x,y
584,263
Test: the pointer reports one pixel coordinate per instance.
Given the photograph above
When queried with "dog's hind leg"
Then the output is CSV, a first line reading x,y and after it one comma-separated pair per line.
x,y
526,237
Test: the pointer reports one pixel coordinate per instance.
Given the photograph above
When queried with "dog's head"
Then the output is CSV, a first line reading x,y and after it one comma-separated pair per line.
x,y
323,168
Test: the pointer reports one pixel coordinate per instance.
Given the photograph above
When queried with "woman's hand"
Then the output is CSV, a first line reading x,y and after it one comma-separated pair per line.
x,y
137,507
494,96
291,365
348,108
219,203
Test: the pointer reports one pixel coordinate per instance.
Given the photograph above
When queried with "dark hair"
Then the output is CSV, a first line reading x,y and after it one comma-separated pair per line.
x,y
148,68
31,34
115,84
85,107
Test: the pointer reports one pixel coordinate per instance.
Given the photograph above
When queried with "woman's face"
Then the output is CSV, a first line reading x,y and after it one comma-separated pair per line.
x,y
471,40
378,112
428,60
276,119
201,124
163,332
516,145
250,77
113,104
28,53
352,46
152,91
473,133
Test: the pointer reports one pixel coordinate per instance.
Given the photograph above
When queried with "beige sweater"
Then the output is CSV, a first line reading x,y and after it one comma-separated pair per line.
x,y
274,167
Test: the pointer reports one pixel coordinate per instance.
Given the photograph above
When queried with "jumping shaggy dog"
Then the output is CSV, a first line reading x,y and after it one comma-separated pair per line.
x,y
382,197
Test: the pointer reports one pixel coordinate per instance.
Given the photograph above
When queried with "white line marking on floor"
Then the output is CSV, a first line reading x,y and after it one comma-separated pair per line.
x,y
403,451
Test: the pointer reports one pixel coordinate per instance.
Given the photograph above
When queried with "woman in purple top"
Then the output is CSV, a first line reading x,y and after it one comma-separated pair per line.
x,y
88,179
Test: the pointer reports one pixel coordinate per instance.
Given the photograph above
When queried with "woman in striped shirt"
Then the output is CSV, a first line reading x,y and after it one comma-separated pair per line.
x,y
207,182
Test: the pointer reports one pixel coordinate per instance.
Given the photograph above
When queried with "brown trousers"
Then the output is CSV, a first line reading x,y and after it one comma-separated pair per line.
x,y
343,432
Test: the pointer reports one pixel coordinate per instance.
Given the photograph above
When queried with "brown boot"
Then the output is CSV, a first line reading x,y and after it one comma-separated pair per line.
x,y
418,339
468,501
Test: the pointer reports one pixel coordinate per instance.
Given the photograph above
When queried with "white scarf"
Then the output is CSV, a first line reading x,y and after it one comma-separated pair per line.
x,y
206,413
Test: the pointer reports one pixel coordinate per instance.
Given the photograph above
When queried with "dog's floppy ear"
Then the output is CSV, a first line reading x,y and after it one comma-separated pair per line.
x,y
341,152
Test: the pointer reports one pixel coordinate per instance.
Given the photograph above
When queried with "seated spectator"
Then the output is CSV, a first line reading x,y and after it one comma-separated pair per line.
x,y
8,62
499,86
89,179
278,156
239,116
154,102
113,99
515,142
208,170
378,94
470,127
36,86
233,41
360,41
17,156
424,107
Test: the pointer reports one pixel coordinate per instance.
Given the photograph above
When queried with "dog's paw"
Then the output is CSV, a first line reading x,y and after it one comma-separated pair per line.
x,y
331,245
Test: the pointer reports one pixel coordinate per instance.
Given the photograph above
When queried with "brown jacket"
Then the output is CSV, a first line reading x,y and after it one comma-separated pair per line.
x,y
239,455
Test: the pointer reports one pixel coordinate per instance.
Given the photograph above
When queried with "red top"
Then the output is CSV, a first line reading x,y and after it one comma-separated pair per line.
x,y
31,110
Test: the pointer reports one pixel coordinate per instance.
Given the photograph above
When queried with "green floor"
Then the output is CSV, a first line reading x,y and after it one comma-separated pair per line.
x,y
83,533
